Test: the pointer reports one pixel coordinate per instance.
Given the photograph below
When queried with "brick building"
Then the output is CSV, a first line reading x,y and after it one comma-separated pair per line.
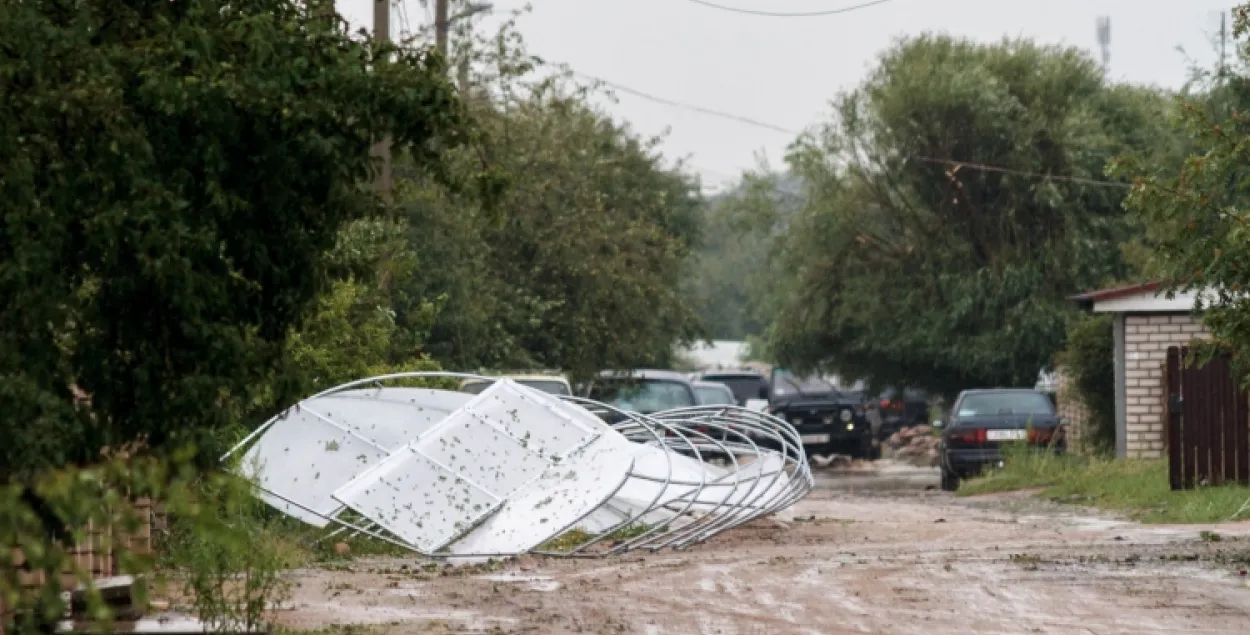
x,y
1146,322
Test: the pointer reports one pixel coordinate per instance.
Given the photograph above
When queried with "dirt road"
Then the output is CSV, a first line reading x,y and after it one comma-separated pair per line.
x,y
911,561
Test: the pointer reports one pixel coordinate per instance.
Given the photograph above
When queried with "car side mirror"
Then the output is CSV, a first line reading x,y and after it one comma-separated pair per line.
x,y
937,424
764,393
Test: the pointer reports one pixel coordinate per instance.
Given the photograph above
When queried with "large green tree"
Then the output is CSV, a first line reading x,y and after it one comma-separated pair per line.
x,y
578,264
731,281
172,175
952,203
1199,215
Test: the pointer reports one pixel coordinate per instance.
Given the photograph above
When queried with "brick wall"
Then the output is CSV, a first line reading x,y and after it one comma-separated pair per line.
x,y
96,556
1146,342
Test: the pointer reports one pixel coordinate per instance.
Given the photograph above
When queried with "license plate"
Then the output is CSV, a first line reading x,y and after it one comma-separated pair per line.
x,y
1004,435
815,438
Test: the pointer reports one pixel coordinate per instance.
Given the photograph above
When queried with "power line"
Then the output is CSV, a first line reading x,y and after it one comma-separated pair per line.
x,y
684,106
767,126
799,14
1001,170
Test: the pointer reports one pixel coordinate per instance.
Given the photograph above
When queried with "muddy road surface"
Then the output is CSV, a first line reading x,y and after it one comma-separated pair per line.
x,y
892,558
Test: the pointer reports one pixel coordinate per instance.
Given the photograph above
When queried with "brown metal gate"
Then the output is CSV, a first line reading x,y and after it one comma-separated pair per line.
x,y
1208,423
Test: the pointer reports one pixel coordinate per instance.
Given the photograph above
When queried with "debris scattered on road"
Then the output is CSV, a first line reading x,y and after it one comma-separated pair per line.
x,y
513,470
916,445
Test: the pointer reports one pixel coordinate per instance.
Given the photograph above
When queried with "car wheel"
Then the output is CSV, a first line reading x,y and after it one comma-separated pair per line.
x,y
872,451
950,481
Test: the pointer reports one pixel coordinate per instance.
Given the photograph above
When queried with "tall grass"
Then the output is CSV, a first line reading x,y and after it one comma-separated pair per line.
x,y
1136,488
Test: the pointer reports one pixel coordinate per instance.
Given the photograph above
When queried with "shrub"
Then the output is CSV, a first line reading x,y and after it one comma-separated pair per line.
x,y
1089,361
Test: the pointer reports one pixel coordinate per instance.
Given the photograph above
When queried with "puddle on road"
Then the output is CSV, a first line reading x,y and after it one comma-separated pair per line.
x,y
532,582
376,615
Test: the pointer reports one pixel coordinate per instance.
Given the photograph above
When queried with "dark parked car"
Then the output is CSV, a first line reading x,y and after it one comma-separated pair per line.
x,y
648,392
829,421
902,409
981,421
642,391
712,393
745,384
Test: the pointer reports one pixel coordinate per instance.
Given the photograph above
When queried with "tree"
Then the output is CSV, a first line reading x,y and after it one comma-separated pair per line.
x,y
912,262
173,177
1199,214
730,268
579,263
354,330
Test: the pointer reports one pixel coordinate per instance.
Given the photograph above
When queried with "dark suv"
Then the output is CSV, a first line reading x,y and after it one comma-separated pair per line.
x,y
828,420
745,384
981,421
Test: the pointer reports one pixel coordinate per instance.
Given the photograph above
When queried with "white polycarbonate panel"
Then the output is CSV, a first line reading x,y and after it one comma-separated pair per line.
x,y
421,502
389,417
745,483
482,453
542,422
656,464
303,459
562,497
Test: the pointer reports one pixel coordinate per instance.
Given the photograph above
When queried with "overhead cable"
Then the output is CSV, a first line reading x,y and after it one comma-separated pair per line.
x,y
797,14
768,126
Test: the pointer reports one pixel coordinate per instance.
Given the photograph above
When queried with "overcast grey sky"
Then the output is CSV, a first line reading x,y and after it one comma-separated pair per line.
x,y
784,71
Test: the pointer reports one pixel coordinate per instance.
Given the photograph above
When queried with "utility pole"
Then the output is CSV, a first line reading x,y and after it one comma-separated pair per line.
x,y
382,34
1223,42
1104,41
441,26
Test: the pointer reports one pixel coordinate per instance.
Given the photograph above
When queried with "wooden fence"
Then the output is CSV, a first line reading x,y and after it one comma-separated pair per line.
x,y
1208,422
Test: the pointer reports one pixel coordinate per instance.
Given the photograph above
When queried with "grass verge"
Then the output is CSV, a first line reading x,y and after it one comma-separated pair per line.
x,y
1136,488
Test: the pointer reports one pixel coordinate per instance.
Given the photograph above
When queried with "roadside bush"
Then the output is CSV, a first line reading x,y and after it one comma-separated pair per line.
x,y
218,548
231,579
1089,361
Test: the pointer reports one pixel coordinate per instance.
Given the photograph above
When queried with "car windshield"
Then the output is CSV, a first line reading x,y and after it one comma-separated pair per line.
x,y
545,385
1005,403
787,383
744,387
642,395
710,395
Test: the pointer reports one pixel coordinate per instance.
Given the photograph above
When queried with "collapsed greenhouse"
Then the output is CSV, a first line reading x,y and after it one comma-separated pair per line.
x,y
516,470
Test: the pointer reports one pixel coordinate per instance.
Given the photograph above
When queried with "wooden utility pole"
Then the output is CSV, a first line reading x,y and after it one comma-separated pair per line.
x,y
463,78
441,25
382,34
1223,42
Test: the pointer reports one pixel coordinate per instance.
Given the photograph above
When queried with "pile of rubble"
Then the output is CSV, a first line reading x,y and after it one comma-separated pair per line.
x,y
916,445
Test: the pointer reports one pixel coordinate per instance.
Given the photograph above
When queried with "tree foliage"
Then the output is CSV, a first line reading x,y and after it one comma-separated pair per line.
x,y
730,283
1089,359
912,264
579,264
173,176
1198,214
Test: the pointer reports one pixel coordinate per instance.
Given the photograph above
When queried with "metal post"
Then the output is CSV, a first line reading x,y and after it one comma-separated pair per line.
x,y
382,34
1121,399
441,24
